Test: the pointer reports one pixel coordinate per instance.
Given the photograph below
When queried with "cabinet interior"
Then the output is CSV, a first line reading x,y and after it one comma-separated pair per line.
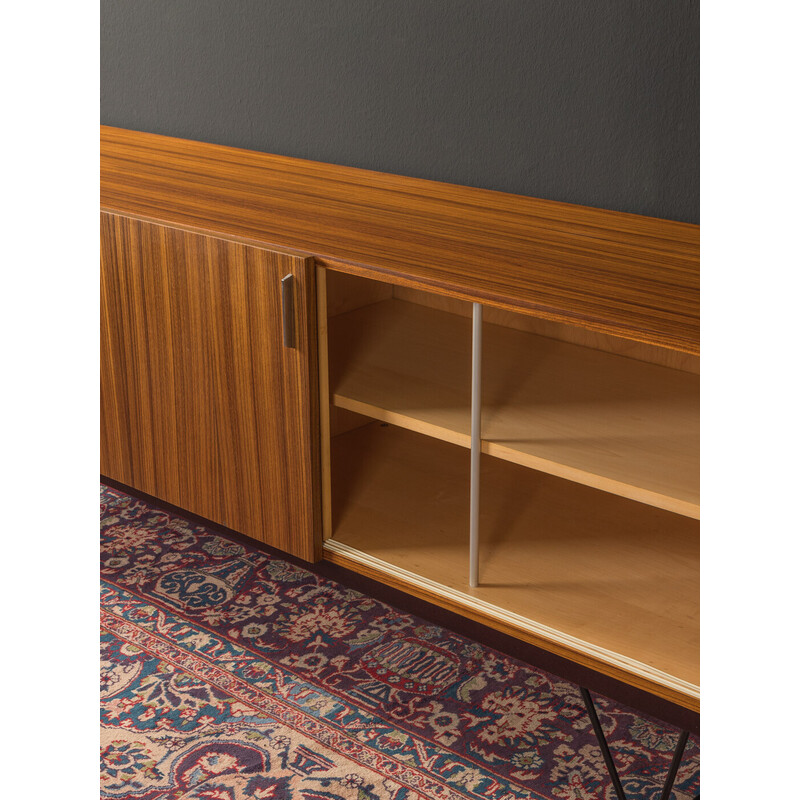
x,y
589,539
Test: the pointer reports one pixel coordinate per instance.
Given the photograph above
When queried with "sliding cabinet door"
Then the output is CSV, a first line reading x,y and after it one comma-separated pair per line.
x,y
208,379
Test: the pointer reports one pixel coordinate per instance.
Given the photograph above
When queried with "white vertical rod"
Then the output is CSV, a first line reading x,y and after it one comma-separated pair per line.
x,y
475,444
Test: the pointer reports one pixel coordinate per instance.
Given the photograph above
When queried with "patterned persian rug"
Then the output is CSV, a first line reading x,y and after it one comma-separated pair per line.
x,y
231,674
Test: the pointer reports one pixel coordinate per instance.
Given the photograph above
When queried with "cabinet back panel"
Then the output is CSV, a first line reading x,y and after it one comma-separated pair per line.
x,y
556,330
347,292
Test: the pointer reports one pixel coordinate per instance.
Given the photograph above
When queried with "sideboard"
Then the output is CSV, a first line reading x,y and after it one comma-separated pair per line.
x,y
488,401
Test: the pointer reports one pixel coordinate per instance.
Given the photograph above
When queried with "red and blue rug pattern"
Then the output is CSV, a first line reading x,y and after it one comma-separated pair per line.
x,y
228,673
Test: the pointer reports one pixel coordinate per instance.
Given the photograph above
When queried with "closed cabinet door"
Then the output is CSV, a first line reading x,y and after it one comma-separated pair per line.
x,y
209,396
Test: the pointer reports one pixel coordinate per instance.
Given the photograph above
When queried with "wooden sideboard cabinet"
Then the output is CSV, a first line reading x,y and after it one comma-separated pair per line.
x,y
352,439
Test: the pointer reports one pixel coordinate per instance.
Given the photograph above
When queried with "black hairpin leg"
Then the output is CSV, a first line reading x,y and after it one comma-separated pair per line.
x,y
601,739
676,762
607,757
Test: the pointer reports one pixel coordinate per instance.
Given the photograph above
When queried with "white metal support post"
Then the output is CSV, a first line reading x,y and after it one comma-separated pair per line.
x,y
475,444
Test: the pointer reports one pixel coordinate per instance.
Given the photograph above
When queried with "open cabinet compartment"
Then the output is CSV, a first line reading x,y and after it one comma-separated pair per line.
x,y
589,540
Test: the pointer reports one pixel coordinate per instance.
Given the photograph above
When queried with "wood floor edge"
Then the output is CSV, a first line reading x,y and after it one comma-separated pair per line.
x,y
614,665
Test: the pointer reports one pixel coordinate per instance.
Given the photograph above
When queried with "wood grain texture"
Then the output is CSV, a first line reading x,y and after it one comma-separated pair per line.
x,y
614,423
620,274
201,404
606,582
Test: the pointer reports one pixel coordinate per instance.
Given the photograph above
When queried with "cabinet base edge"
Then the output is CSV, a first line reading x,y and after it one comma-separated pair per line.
x,y
629,671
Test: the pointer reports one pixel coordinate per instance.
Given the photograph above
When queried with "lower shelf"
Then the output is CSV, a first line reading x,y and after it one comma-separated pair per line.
x,y
607,582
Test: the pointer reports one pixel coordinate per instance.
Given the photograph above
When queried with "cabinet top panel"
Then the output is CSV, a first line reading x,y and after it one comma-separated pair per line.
x,y
622,274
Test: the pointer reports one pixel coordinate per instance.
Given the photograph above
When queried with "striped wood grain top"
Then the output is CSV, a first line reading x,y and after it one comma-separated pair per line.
x,y
621,274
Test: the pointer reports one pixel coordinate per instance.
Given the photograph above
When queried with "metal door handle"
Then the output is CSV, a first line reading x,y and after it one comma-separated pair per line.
x,y
287,306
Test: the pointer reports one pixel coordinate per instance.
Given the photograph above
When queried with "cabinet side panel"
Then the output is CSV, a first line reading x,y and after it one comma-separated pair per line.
x,y
115,456
203,406
132,363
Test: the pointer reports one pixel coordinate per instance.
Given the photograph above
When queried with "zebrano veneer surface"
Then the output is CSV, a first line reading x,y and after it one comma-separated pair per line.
x,y
621,274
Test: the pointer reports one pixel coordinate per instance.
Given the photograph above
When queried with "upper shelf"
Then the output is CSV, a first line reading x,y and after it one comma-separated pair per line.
x,y
613,423
621,274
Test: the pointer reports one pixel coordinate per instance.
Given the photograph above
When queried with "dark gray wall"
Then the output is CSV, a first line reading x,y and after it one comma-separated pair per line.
x,y
587,101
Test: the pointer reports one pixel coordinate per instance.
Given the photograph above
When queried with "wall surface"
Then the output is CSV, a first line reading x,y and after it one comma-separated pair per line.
x,y
586,101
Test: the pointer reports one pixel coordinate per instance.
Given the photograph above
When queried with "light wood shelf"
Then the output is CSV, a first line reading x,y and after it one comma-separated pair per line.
x,y
605,582
613,423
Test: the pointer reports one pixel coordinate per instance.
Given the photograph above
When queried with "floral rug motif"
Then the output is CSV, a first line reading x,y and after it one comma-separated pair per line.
x,y
227,673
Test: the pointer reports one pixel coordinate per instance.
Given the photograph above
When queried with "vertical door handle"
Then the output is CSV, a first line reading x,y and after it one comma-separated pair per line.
x,y
287,306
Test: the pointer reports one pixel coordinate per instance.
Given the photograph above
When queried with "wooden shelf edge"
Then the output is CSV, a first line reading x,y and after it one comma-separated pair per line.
x,y
628,491
607,662
405,421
